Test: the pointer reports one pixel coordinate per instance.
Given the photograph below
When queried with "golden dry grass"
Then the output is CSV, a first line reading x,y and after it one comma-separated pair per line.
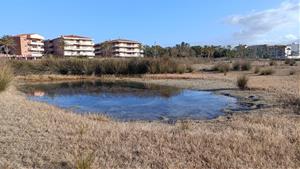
x,y
37,135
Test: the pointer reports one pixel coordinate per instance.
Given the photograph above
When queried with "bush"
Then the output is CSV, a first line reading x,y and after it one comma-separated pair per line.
x,y
256,70
273,63
241,65
76,66
242,82
6,77
292,72
236,66
268,71
245,66
290,62
222,67
291,102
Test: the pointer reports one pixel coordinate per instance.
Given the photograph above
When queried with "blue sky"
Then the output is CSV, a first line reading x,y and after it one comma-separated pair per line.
x,y
165,22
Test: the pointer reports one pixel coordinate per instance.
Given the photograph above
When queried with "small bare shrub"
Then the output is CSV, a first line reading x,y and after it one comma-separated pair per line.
x,y
292,72
6,77
241,65
245,65
256,70
291,102
236,66
290,62
268,71
222,67
273,63
242,82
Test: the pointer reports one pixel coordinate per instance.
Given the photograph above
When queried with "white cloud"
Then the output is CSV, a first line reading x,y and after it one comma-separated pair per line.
x,y
268,26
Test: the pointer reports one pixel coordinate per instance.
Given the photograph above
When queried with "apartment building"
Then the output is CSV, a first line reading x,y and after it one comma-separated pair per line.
x,y
29,46
295,47
119,48
70,45
269,51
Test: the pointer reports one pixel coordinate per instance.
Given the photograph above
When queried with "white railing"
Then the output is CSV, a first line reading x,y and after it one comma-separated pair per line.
x,y
79,49
37,43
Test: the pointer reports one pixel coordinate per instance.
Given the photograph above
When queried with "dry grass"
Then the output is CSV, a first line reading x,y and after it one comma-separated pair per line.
x,y
45,137
267,71
6,77
242,82
36,135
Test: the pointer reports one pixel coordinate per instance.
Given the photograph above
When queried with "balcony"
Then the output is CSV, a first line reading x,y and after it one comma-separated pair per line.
x,y
126,45
83,43
67,53
73,48
128,50
37,43
36,49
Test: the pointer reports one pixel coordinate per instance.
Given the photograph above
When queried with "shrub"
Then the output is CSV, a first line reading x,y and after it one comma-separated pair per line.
x,y
242,82
245,66
222,67
268,71
273,63
292,72
236,66
291,102
77,66
290,62
6,77
241,65
256,70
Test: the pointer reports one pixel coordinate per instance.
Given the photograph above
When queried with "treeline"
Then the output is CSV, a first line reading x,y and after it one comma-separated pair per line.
x,y
185,50
98,67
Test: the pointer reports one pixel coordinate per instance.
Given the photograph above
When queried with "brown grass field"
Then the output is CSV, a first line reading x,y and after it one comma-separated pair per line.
x,y
37,135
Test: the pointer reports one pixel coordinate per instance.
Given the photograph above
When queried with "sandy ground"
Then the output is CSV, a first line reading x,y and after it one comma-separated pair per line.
x,y
37,135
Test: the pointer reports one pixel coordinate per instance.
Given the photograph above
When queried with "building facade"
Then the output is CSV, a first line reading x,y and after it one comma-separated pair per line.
x,y
70,45
295,47
119,48
269,51
29,46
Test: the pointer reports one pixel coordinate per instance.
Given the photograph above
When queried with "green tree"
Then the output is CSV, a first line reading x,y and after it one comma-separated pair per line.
x,y
7,43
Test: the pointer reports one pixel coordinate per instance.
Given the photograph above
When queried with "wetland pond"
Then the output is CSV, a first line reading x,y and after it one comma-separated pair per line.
x,y
129,101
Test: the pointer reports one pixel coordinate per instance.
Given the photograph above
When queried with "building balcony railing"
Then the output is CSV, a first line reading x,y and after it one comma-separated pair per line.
x,y
78,49
126,45
37,43
36,49
83,43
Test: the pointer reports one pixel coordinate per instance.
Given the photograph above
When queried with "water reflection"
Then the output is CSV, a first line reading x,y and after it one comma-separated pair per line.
x,y
131,101
98,87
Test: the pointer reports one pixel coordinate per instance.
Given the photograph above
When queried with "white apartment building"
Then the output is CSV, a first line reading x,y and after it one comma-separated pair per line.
x,y
119,48
269,51
29,46
70,45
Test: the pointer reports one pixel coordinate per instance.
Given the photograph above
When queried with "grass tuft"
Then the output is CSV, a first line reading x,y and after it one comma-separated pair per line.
x,y
256,70
291,62
6,77
267,71
221,67
242,82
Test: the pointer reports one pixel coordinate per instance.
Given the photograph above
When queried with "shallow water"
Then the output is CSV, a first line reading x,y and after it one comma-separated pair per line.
x,y
131,101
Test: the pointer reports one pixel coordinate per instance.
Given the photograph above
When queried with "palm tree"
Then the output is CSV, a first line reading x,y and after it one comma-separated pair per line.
x,y
7,43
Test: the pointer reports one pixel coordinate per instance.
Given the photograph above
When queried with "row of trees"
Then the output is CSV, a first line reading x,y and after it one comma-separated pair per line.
x,y
185,50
